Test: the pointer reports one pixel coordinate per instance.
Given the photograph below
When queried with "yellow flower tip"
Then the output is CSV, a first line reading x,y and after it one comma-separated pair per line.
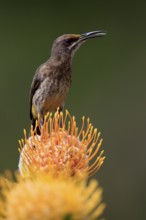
x,y
61,148
58,199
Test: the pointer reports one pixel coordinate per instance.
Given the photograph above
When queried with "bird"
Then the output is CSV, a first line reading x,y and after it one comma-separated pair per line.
x,y
53,78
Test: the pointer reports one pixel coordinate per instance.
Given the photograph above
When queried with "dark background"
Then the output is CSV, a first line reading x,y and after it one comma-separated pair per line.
x,y
109,77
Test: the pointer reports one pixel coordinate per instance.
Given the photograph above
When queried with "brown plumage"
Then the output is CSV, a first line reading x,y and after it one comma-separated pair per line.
x,y
52,79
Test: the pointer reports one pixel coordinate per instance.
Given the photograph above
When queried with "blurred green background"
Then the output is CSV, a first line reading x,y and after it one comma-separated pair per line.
x,y
109,86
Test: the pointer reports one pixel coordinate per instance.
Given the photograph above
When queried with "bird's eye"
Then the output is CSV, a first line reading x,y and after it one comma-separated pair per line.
x,y
68,41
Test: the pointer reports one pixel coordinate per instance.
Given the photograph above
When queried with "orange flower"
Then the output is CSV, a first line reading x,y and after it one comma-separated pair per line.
x,y
61,148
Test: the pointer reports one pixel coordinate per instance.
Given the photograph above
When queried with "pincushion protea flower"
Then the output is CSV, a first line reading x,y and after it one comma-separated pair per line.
x,y
61,148
47,198
54,168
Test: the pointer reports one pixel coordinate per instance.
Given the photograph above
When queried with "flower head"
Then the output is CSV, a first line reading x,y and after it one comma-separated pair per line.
x,y
61,147
46,198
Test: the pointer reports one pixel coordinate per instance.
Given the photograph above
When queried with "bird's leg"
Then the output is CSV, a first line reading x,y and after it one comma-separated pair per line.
x,y
40,124
36,127
37,124
60,109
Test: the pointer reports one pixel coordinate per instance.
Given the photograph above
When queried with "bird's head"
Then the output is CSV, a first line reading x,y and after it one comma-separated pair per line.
x,y
67,44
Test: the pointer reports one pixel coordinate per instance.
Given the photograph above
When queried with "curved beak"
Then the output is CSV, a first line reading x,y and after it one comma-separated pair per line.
x,y
80,39
92,34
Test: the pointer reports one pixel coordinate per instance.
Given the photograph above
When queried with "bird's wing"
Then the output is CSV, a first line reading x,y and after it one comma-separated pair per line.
x,y
34,86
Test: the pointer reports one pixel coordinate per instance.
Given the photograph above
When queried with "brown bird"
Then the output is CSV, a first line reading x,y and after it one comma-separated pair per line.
x,y
52,79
